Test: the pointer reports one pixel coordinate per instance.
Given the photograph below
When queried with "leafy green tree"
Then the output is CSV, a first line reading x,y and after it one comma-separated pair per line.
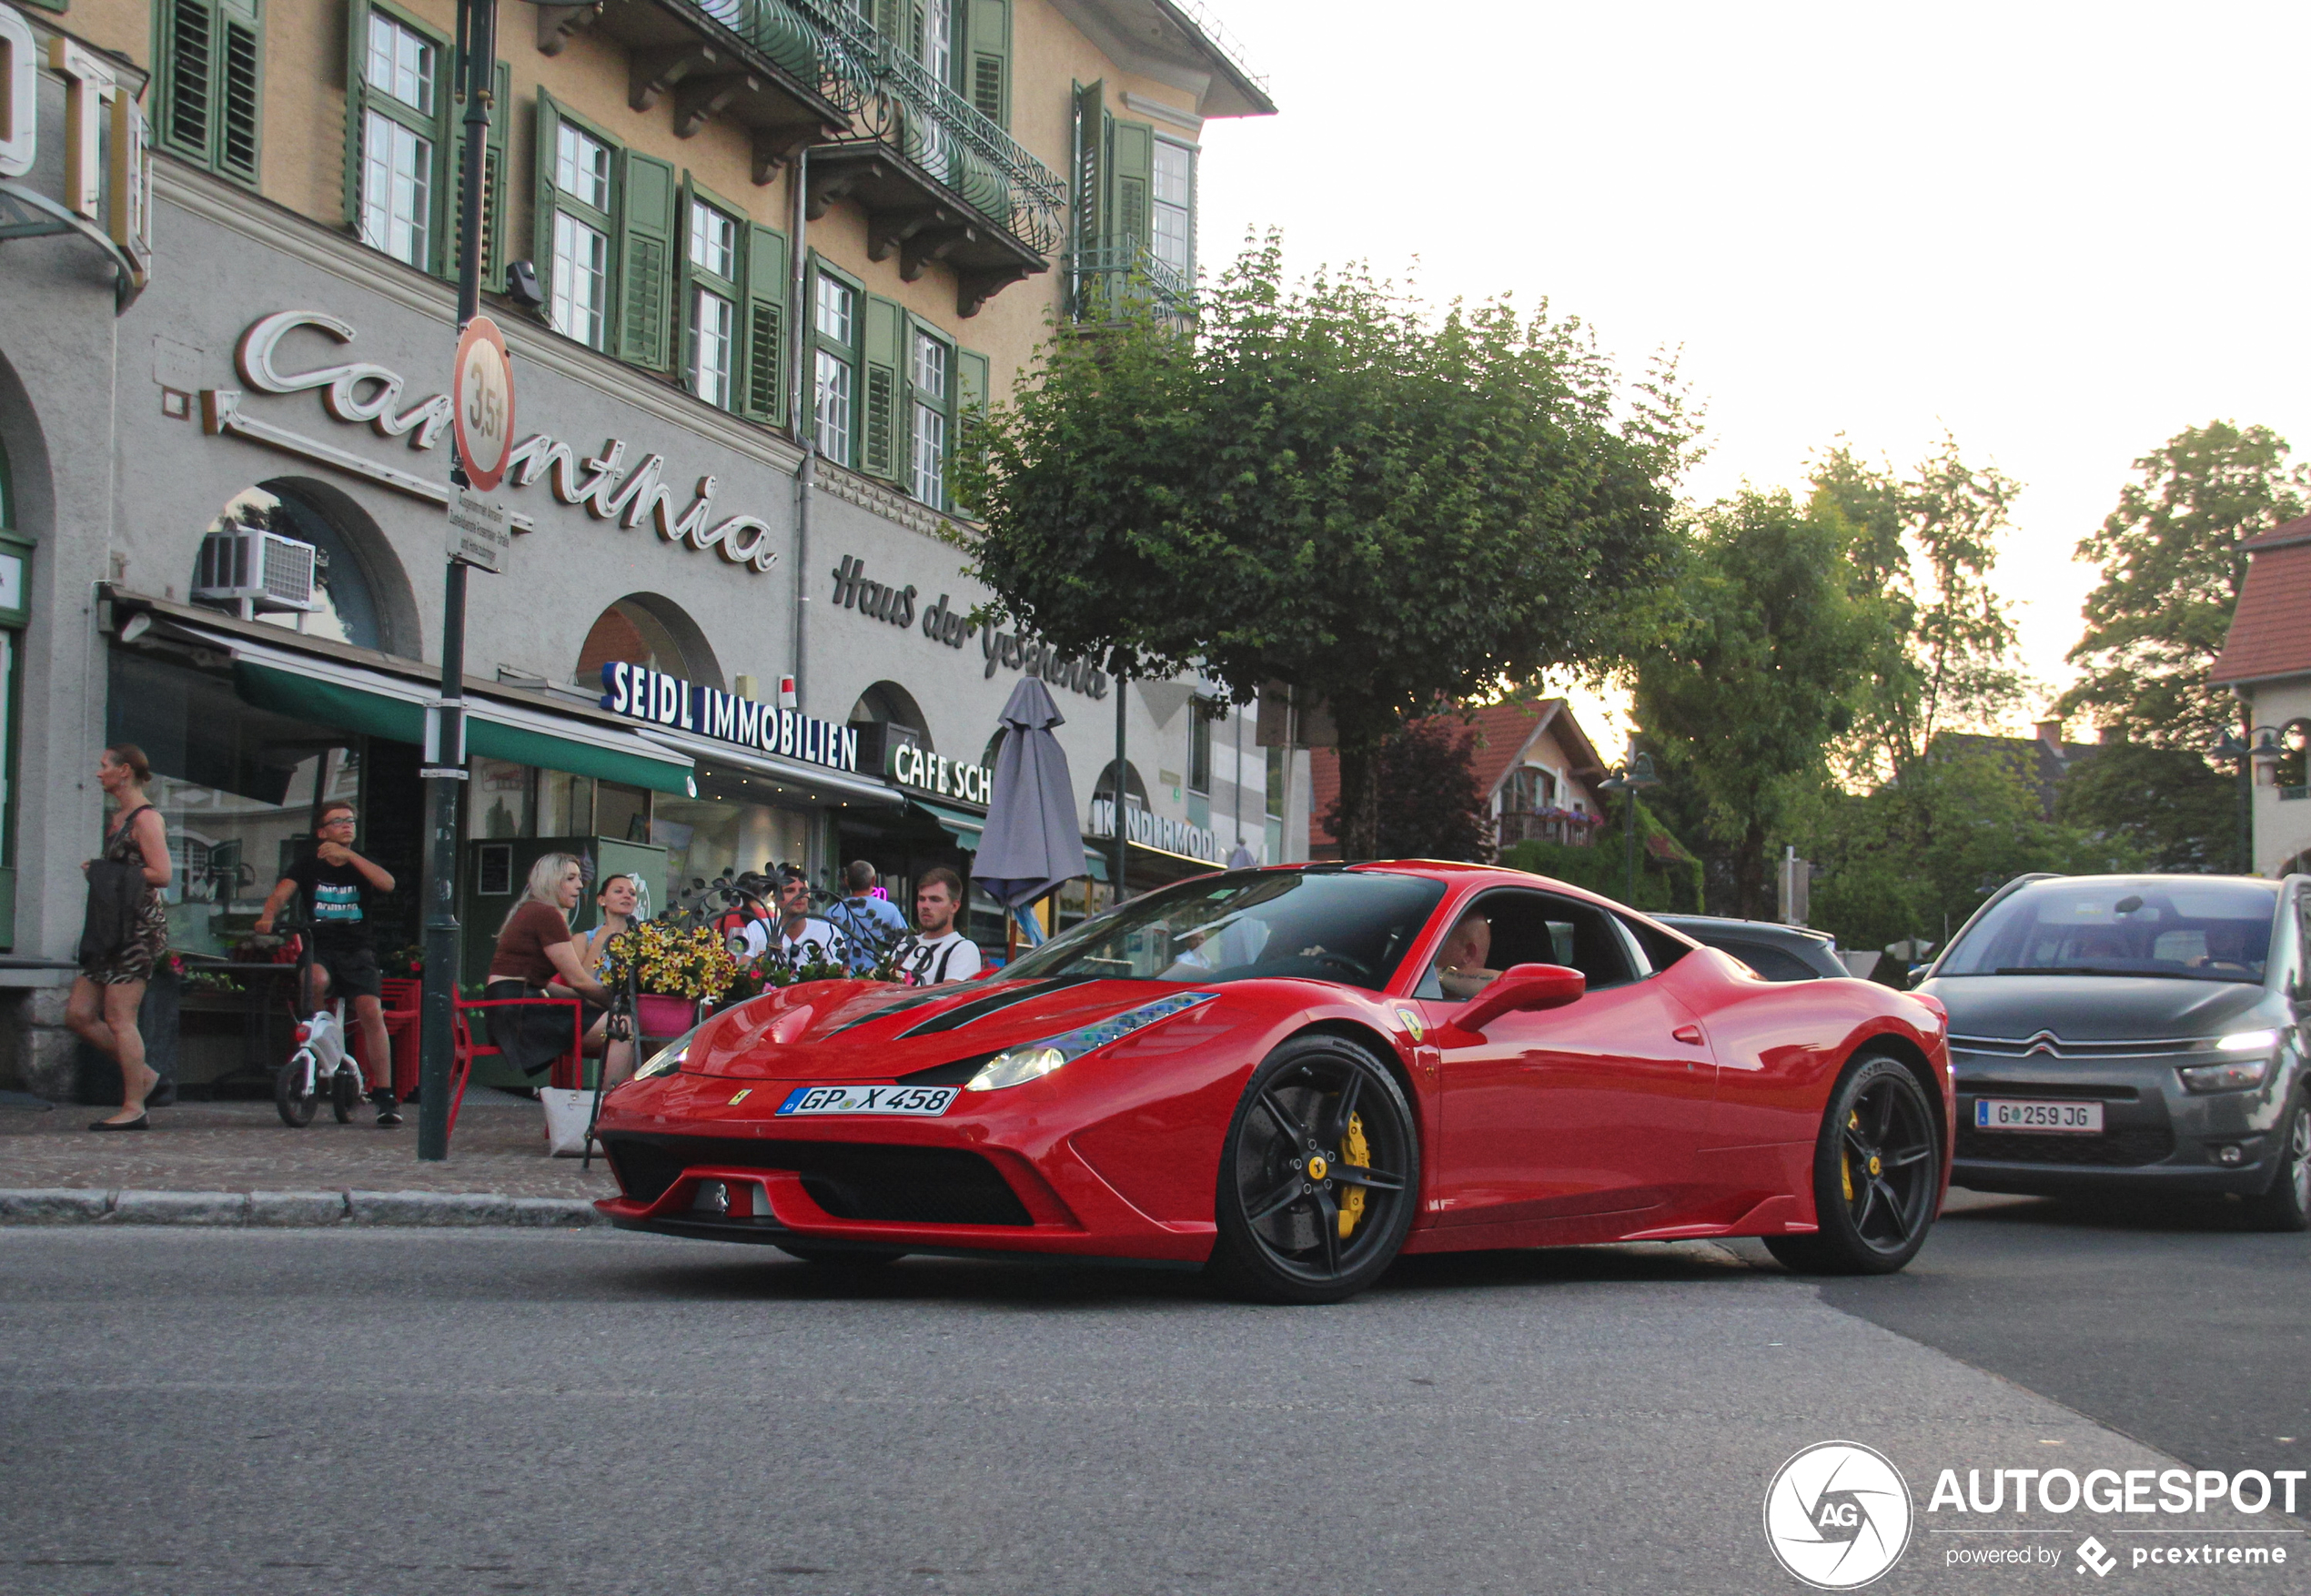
x,y
2171,577
1430,805
2167,803
1329,487
1760,678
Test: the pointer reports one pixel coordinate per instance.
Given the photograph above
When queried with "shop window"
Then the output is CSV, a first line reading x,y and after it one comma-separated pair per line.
x,y
341,602
621,811
706,836
499,800
405,138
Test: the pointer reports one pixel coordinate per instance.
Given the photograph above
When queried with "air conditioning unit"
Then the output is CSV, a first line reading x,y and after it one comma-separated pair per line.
x,y
255,571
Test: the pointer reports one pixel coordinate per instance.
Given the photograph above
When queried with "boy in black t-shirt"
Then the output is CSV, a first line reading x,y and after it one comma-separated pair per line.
x,y
337,885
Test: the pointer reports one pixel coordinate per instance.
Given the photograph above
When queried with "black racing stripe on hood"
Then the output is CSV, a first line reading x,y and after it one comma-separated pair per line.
x,y
961,1014
884,1010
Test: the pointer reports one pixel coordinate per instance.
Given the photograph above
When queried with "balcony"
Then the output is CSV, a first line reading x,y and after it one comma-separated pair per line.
x,y
1576,828
937,179
1115,281
761,63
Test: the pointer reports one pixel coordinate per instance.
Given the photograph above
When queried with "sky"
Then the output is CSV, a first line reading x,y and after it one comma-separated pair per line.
x,y
2060,233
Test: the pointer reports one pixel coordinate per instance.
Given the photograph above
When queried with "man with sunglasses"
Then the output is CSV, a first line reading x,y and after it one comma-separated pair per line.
x,y
339,885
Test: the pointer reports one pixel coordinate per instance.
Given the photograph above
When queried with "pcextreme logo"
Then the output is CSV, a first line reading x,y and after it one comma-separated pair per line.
x,y
1838,1515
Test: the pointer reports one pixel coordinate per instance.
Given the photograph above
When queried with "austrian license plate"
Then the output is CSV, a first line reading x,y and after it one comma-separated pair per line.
x,y
916,1100
2058,1118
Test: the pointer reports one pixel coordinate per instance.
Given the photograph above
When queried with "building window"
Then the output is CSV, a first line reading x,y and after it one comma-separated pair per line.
x,y
712,256
402,141
1172,224
1199,746
397,190
581,280
934,402
835,321
401,64
581,168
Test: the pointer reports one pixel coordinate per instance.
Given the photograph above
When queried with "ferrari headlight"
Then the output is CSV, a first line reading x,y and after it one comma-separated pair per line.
x,y
668,1058
1038,1059
2246,1041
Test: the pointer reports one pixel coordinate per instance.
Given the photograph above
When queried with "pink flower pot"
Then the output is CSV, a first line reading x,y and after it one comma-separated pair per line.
x,y
665,1016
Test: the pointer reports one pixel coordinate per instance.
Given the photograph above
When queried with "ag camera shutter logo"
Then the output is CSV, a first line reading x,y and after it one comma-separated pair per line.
x,y
1838,1515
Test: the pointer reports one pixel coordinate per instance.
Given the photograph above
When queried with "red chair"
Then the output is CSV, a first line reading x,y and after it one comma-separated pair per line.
x,y
569,1069
403,1021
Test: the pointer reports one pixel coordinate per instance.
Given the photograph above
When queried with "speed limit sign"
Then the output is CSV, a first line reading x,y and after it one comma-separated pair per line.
x,y
481,398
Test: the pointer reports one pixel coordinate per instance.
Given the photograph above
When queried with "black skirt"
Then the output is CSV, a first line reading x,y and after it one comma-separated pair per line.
x,y
531,1038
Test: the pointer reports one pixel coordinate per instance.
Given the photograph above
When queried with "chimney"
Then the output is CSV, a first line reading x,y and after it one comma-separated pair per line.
x,y
2050,733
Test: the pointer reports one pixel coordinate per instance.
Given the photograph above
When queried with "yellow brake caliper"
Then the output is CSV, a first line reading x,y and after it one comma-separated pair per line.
x,y
1356,1152
1845,1155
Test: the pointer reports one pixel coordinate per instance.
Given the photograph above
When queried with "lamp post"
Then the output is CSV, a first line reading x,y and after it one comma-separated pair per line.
x,y
1628,778
2261,746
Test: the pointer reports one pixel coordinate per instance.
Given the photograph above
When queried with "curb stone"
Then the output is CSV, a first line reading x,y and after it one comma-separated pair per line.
x,y
293,1210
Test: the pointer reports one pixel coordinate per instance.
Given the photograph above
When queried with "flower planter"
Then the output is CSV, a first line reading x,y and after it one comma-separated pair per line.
x,y
665,1016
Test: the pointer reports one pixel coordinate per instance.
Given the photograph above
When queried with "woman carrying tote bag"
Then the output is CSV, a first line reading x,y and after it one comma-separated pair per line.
x,y
127,931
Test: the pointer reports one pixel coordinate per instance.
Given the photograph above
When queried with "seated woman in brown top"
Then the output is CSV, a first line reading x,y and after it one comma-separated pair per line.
x,y
536,957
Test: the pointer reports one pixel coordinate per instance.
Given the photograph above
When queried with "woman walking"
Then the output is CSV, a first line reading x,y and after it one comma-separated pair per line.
x,y
105,999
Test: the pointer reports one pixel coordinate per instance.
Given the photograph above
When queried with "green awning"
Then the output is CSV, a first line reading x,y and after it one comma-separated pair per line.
x,y
959,824
383,706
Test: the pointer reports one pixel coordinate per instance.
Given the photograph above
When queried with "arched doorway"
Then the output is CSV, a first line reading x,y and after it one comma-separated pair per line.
x,y
893,708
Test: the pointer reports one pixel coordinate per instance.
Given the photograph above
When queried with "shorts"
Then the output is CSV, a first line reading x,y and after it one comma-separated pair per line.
x,y
353,970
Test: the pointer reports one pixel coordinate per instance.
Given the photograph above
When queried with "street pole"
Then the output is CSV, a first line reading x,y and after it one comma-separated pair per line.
x,y
1122,843
445,773
1629,844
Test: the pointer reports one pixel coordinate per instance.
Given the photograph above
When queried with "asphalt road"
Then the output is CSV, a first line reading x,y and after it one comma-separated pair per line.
x,y
2168,1321
405,1413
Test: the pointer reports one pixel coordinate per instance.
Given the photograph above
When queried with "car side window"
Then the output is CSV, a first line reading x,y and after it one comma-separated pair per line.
x,y
1537,928
1771,961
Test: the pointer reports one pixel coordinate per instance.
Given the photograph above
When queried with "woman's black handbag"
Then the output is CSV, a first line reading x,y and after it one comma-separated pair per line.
x,y
115,894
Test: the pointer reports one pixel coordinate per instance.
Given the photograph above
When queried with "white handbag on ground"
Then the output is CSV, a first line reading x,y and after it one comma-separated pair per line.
x,y
566,1114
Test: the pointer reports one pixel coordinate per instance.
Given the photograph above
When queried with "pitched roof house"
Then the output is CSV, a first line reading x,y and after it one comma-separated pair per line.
x,y
1534,763
2267,661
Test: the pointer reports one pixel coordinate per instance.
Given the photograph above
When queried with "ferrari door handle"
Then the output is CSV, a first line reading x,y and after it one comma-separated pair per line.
x,y
1689,1034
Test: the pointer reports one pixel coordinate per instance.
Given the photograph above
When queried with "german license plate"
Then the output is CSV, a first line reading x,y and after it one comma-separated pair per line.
x,y
916,1100
2054,1118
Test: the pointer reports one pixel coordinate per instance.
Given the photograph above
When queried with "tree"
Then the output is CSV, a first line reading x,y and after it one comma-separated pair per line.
x,y
2172,571
1744,700
2167,803
1330,487
1429,804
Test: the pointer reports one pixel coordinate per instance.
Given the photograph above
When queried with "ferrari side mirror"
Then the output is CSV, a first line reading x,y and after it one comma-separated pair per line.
x,y
1522,989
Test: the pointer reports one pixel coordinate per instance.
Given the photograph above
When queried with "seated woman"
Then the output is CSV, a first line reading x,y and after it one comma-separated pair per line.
x,y
1460,961
536,957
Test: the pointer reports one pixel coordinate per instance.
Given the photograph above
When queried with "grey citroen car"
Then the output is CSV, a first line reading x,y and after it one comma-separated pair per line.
x,y
2135,1031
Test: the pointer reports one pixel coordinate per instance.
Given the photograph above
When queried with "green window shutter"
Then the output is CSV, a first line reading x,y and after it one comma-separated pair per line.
x,y
239,92
987,31
187,57
542,225
1091,164
357,105
493,173
763,347
890,17
1132,149
645,262
878,453
685,335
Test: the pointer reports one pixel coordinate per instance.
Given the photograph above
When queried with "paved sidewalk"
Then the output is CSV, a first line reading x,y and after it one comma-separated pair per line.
x,y
499,1149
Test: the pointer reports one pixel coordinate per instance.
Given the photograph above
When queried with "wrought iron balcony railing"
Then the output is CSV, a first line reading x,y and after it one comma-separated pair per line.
x,y
895,100
1111,279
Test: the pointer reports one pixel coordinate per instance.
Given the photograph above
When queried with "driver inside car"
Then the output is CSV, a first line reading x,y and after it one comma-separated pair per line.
x,y
1460,961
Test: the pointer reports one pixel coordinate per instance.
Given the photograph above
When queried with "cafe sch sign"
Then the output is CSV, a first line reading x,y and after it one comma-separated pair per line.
x,y
364,393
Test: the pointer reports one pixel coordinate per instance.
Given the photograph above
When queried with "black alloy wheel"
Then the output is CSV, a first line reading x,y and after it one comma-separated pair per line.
x,y
295,1091
1877,1170
2287,1204
1318,1175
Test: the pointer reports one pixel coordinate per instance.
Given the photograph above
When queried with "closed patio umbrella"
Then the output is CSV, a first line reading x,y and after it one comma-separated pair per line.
x,y
1032,843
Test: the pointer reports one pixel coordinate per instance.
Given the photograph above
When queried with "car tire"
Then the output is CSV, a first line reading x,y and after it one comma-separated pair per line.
x,y
1877,1174
844,1257
1322,1114
2287,1204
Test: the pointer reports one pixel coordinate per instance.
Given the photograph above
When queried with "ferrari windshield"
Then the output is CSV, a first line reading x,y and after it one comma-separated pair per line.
x,y
1350,926
2148,925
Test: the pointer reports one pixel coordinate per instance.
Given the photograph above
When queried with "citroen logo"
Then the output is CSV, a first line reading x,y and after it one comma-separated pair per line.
x,y
2044,1042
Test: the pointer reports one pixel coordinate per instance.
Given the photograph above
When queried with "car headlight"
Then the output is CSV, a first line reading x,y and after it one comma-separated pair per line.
x,y
2226,1077
2246,1041
668,1058
1038,1059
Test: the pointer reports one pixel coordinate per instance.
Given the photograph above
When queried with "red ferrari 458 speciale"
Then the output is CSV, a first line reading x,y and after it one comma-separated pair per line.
x,y
1288,1076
